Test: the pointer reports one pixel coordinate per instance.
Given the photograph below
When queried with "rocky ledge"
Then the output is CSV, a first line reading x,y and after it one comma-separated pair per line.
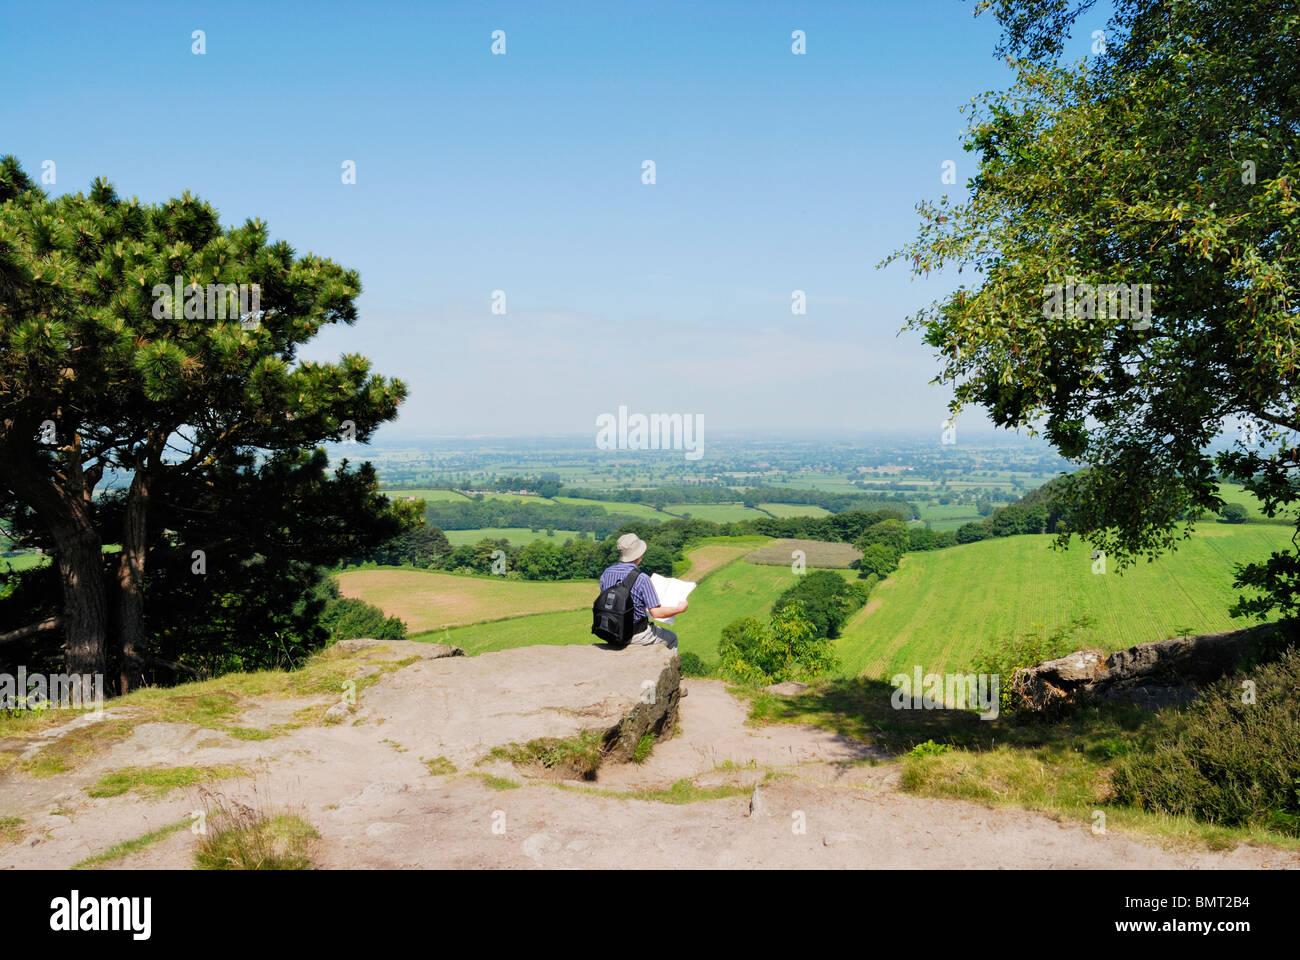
x,y
1153,674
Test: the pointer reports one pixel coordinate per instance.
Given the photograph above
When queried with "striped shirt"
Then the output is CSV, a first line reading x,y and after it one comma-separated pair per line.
x,y
643,592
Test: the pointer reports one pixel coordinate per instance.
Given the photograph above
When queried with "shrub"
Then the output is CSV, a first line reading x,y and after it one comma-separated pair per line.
x,y
1234,513
923,538
346,618
892,533
658,560
1229,762
828,600
1005,655
929,749
784,648
879,559
693,666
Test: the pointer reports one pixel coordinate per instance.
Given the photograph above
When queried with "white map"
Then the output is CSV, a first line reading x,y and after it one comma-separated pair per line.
x,y
671,592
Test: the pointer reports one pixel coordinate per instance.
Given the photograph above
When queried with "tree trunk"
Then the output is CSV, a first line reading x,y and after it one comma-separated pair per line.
x,y
130,580
85,601
65,512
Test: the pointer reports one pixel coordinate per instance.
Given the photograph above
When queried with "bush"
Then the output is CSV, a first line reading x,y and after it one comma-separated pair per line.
x,y
892,533
1229,763
346,618
1234,513
658,560
1005,655
693,666
785,648
828,600
923,538
879,559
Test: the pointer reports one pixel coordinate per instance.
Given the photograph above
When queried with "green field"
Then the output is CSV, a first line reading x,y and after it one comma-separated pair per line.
x,y
613,506
518,536
947,511
717,512
794,510
940,608
514,497
426,494
939,526
23,561
429,600
1235,493
563,627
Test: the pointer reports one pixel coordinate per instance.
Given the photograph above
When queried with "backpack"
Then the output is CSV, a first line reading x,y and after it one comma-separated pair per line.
x,y
613,617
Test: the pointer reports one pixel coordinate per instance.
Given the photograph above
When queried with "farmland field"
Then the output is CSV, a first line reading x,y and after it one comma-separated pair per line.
x,y
717,512
514,497
518,536
947,511
1235,493
425,494
940,608
817,553
794,510
427,600
613,506
939,526
23,561
714,553
560,627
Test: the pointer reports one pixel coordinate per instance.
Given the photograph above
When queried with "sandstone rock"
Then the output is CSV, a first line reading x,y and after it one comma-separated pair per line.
x,y
461,707
1152,674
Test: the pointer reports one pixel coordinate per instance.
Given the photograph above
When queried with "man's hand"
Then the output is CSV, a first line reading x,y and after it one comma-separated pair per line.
x,y
663,613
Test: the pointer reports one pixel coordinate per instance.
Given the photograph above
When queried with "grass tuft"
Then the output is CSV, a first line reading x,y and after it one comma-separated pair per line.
x,y
127,847
157,781
440,766
577,757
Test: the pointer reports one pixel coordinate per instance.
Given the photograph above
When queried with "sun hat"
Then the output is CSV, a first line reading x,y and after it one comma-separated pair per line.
x,y
630,546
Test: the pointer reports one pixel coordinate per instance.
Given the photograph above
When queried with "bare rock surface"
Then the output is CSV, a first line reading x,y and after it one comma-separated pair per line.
x,y
404,779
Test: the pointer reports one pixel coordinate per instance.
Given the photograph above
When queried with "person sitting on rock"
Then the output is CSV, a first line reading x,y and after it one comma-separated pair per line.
x,y
645,601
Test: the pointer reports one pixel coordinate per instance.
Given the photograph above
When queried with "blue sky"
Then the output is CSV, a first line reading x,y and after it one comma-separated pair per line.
x,y
523,173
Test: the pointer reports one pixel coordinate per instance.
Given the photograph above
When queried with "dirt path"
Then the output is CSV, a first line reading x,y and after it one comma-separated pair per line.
x,y
364,786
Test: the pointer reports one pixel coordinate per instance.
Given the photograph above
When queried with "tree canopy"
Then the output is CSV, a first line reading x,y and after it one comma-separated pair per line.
x,y
1170,159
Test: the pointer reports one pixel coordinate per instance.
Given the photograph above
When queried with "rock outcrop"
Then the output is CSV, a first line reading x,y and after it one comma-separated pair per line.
x,y
464,706
1154,674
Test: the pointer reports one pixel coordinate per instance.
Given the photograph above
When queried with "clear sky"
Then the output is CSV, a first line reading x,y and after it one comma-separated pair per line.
x,y
522,172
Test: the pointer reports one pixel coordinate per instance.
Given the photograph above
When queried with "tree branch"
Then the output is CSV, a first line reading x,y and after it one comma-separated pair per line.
x,y
32,629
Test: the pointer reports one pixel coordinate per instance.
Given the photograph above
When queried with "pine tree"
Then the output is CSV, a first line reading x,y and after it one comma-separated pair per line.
x,y
104,371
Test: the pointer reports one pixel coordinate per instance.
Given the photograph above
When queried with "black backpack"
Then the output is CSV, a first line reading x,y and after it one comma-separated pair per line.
x,y
613,618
